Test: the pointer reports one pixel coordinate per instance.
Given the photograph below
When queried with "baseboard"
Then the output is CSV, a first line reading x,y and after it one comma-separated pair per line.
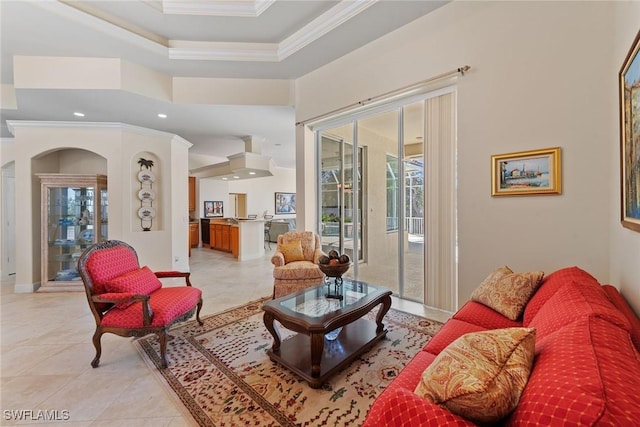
x,y
24,288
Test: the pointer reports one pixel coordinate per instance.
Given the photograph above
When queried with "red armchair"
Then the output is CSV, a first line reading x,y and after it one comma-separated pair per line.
x,y
129,301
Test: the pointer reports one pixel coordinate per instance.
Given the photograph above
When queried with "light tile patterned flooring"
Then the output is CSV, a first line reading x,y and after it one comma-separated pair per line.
x,y
46,349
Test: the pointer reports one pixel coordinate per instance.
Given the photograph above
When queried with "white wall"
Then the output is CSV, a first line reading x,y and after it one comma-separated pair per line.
x,y
543,75
165,249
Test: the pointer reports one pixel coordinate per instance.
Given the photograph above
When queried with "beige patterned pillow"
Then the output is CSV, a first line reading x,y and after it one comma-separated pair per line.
x,y
481,375
292,251
507,292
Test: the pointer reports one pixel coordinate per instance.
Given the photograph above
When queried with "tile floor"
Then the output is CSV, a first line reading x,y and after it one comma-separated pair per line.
x,y
46,349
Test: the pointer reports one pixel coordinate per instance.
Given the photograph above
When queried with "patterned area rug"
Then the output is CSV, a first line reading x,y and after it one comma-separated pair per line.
x,y
222,375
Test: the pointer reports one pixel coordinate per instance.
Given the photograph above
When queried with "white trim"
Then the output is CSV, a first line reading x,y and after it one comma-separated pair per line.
x,y
13,124
242,8
212,50
322,25
25,288
216,51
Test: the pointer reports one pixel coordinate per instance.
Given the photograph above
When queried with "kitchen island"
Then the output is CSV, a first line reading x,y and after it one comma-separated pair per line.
x,y
244,238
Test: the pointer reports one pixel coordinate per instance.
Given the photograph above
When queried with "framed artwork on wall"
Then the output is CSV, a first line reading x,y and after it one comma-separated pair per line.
x,y
285,203
526,173
629,85
213,209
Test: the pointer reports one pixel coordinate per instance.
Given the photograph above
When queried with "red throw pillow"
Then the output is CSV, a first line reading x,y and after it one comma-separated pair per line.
x,y
141,282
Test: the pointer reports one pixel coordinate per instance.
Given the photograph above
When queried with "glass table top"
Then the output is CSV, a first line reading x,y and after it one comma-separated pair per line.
x,y
314,302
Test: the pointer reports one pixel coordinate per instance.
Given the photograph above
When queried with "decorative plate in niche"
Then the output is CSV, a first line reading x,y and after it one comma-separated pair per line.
x,y
146,194
146,212
146,176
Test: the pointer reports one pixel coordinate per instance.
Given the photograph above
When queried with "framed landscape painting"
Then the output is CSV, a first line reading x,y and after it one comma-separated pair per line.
x,y
629,82
526,173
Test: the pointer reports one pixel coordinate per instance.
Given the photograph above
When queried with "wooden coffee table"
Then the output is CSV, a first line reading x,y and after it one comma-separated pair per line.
x,y
308,353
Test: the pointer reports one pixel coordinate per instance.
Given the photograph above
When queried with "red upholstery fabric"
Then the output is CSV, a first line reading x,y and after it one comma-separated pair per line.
x,y
481,315
619,375
166,304
141,281
572,302
107,264
550,286
578,380
621,304
449,332
403,408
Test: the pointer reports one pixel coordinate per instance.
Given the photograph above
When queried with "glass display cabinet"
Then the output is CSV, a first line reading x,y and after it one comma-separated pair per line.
x,y
74,216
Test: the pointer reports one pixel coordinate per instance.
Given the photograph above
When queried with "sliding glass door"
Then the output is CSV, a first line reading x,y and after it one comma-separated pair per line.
x,y
373,193
341,194
382,244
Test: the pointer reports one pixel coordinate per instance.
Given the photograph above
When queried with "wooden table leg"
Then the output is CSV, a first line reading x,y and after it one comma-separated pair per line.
x,y
317,347
384,308
273,330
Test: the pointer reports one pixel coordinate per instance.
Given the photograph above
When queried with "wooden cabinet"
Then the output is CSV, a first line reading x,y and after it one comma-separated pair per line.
x,y
226,238
74,216
194,235
192,193
235,241
220,237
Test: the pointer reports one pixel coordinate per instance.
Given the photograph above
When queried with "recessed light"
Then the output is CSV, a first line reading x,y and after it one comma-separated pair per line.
x,y
225,178
78,114
252,173
236,177
162,115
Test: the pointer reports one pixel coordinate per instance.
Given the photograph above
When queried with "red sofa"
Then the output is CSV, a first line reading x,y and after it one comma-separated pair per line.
x,y
587,363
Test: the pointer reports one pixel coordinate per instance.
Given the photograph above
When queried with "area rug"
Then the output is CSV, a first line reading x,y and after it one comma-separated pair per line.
x,y
221,374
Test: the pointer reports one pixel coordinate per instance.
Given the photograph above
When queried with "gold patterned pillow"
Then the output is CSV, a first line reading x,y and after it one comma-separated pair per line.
x,y
481,375
507,292
292,251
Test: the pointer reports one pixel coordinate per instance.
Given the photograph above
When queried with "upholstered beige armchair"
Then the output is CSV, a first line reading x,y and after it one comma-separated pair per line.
x,y
296,262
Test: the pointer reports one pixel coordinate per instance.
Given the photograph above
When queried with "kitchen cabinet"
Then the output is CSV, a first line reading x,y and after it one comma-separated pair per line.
x,y
192,193
220,236
73,217
234,241
194,235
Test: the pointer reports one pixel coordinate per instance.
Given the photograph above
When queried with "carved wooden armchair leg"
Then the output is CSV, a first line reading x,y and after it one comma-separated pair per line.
x,y
198,313
162,338
96,343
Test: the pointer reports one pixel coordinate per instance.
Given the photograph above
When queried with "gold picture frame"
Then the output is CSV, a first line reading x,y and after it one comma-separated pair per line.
x,y
629,86
526,173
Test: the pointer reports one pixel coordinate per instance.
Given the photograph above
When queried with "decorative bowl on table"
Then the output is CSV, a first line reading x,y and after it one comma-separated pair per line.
x,y
334,270
334,266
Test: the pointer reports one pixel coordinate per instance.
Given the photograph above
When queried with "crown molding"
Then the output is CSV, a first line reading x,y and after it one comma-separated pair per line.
x,y
242,8
220,51
322,25
270,52
214,51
